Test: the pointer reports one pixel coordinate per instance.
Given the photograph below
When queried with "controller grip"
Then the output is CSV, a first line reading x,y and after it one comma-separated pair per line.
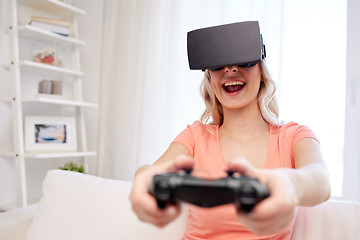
x,y
251,195
162,192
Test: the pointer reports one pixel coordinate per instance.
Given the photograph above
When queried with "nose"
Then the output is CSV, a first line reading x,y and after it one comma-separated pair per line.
x,y
229,69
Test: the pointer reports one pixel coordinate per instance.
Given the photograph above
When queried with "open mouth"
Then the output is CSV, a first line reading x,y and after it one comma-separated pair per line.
x,y
233,86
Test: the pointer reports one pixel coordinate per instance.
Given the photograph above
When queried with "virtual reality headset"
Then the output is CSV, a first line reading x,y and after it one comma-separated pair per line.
x,y
225,45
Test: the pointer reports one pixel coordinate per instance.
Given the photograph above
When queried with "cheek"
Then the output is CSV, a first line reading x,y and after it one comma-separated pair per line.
x,y
254,72
213,89
255,77
213,82
215,76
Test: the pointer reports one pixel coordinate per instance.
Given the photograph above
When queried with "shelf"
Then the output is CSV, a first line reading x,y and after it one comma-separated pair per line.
x,y
58,101
7,154
48,70
39,34
52,154
54,7
49,100
60,155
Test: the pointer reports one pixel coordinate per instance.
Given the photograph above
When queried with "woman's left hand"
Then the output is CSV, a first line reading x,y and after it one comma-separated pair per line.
x,y
275,213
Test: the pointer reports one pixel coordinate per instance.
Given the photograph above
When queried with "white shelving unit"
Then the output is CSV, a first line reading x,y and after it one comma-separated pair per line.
x,y
18,66
43,69
54,7
36,33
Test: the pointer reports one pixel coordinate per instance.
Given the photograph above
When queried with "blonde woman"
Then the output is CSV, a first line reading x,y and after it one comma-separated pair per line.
x,y
245,136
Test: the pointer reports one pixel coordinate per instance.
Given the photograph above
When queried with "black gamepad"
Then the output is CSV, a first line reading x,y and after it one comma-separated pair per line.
x,y
245,192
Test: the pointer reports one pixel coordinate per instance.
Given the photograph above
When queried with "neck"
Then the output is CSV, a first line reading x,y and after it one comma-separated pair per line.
x,y
244,123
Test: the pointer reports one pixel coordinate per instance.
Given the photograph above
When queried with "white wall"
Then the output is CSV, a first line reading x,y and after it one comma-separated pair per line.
x,y
90,30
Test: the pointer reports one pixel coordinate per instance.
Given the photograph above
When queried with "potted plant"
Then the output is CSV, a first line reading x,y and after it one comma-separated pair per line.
x,y
70,166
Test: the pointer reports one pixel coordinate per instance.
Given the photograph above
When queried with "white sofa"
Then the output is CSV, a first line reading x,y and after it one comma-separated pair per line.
x,y
76,207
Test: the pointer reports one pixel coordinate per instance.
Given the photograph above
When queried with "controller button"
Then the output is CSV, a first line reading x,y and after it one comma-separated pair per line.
x,y
187,170
230,173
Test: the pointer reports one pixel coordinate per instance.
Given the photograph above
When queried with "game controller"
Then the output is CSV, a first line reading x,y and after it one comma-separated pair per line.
x,y
245,192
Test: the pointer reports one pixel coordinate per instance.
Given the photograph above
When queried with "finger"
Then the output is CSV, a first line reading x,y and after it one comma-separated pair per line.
x,y
180,162
266,208
147,209
263,210
277,220
141,198
242,166
272,206
278,202
161,218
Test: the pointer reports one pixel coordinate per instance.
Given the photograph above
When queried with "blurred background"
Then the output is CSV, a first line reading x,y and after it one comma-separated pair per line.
x,y
135,65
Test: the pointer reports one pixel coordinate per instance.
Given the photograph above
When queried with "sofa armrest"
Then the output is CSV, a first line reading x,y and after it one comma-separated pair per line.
x,y
14,223
80,206
331,220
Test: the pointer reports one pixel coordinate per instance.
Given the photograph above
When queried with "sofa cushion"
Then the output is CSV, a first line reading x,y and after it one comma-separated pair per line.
x,y
14,223
78,206
331,220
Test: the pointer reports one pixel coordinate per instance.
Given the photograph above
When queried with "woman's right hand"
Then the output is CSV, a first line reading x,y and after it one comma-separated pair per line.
x,y
144,203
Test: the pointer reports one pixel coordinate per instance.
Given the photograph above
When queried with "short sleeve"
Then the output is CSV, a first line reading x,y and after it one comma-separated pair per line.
x,y
186,138
302,132
284,139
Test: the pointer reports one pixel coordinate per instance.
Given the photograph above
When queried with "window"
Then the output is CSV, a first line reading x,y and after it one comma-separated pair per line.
x,y
313,75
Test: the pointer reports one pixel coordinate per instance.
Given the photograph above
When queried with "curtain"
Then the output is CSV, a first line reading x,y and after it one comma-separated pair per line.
x,y
148,94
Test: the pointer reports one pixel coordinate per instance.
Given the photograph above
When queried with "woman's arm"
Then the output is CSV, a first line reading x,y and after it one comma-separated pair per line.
x,y
143,203
306,185
311,177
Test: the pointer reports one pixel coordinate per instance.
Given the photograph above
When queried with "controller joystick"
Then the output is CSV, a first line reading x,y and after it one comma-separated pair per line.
x,y
243,191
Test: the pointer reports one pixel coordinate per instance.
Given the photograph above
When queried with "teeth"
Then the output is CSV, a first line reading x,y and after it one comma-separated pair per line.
x,y
231,83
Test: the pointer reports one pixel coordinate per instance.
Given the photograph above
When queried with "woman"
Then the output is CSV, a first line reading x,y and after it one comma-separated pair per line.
x,y
247,137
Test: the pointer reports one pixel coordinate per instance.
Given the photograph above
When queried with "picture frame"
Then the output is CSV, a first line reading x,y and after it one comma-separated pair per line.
x,y
50,134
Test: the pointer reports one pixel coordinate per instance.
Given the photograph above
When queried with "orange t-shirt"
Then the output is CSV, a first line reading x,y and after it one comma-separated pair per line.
x,y
221,222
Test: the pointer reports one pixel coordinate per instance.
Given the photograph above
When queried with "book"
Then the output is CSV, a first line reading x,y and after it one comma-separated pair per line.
x,y
60,22
61,30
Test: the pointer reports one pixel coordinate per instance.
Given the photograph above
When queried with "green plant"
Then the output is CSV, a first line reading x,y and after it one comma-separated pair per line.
x,y
70,166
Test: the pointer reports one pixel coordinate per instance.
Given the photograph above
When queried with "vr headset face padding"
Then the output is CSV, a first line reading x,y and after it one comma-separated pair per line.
x,y
224,45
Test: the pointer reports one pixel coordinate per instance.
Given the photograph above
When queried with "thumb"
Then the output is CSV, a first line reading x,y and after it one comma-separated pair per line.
x,y
242,166
179,163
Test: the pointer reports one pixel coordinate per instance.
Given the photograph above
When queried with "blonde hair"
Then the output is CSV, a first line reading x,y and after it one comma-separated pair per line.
x,y
266,99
